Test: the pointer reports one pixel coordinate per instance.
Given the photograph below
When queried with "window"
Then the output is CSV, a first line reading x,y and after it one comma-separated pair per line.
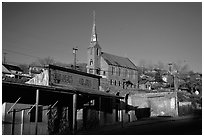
x,y
113,70
118,71
128,73
131,74
32,114
97,71
91,71
104,73
115,82
118,83
97,52
125,74
91,62
134,74
111,82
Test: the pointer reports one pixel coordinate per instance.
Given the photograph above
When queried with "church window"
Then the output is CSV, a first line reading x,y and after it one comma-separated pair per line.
x,y
125,74
118,71
97,52
91,62
113,70
91,71
131,74
97,71
111,82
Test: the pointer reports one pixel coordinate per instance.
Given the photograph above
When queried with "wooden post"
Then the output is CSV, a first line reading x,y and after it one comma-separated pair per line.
x,y
99,110
13,121
22,121
74,124
121,105
36,111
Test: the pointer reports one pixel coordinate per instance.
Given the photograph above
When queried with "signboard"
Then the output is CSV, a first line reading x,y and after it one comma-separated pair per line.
x,y
65,78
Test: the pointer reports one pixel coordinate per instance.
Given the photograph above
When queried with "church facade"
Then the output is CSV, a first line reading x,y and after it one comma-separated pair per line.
x,y
118,73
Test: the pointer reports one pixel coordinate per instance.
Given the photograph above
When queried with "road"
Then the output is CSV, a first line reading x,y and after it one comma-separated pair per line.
x,y
187,126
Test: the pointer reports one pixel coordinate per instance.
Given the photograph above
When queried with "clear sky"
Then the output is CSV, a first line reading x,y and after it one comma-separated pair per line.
x,y
166,32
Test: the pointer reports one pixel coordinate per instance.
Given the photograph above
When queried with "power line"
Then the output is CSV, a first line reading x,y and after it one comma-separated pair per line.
x,y
21,53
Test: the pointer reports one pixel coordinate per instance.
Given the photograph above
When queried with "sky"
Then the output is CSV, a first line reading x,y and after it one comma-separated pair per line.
x,y
152,32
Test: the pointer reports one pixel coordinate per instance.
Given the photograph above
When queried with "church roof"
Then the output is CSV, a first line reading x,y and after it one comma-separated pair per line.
x,y
117,61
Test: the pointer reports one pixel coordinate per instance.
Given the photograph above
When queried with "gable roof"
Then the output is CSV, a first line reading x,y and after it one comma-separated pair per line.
x,y
12,67
143,81
5,70
117,61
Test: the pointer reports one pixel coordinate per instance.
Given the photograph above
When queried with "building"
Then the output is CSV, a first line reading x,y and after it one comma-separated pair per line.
x,y
118,73
145,85
12,73
13,69
65,101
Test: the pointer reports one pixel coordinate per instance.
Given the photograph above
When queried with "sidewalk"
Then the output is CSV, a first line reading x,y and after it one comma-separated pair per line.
x,y
144,121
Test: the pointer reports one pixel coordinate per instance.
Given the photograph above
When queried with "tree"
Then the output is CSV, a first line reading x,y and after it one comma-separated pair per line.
x,y
158,76
43,62
25,68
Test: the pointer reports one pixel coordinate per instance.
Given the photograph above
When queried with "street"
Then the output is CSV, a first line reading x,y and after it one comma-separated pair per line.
x,y
187,126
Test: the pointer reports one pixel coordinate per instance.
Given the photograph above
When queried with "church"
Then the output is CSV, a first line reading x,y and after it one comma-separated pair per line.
x,y
118,73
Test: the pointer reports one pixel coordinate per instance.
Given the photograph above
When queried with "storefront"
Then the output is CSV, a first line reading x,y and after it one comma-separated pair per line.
x,y
64,101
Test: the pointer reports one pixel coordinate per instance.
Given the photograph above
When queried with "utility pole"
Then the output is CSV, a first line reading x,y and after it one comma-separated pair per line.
x,y
4,57
170,71
75,52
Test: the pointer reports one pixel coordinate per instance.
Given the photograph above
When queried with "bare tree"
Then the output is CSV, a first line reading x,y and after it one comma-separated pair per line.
x,y
142,63
24,67
43,62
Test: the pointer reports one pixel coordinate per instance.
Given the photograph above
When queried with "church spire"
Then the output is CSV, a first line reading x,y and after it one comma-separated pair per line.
x,y
94,34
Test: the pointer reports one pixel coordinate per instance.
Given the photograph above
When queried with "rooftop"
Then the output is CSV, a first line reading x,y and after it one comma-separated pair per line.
x,y
118,61
12,67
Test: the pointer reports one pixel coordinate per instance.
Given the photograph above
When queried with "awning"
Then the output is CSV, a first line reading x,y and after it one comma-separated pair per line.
x,y
61,89
95,92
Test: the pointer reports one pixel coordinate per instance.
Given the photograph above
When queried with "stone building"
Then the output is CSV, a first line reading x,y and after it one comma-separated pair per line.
x,y
118,73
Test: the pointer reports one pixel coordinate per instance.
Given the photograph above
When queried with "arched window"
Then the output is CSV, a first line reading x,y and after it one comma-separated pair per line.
x,y
91,62
97,52
111,82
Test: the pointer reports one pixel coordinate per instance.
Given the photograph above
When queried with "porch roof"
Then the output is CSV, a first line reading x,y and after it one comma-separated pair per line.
x,y
50,91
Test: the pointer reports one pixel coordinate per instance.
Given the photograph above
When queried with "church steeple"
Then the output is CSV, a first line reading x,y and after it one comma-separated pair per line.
x,y
94,34
94,51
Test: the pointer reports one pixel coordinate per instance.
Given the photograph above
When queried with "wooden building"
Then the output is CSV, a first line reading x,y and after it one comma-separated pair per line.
x,y
65,100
